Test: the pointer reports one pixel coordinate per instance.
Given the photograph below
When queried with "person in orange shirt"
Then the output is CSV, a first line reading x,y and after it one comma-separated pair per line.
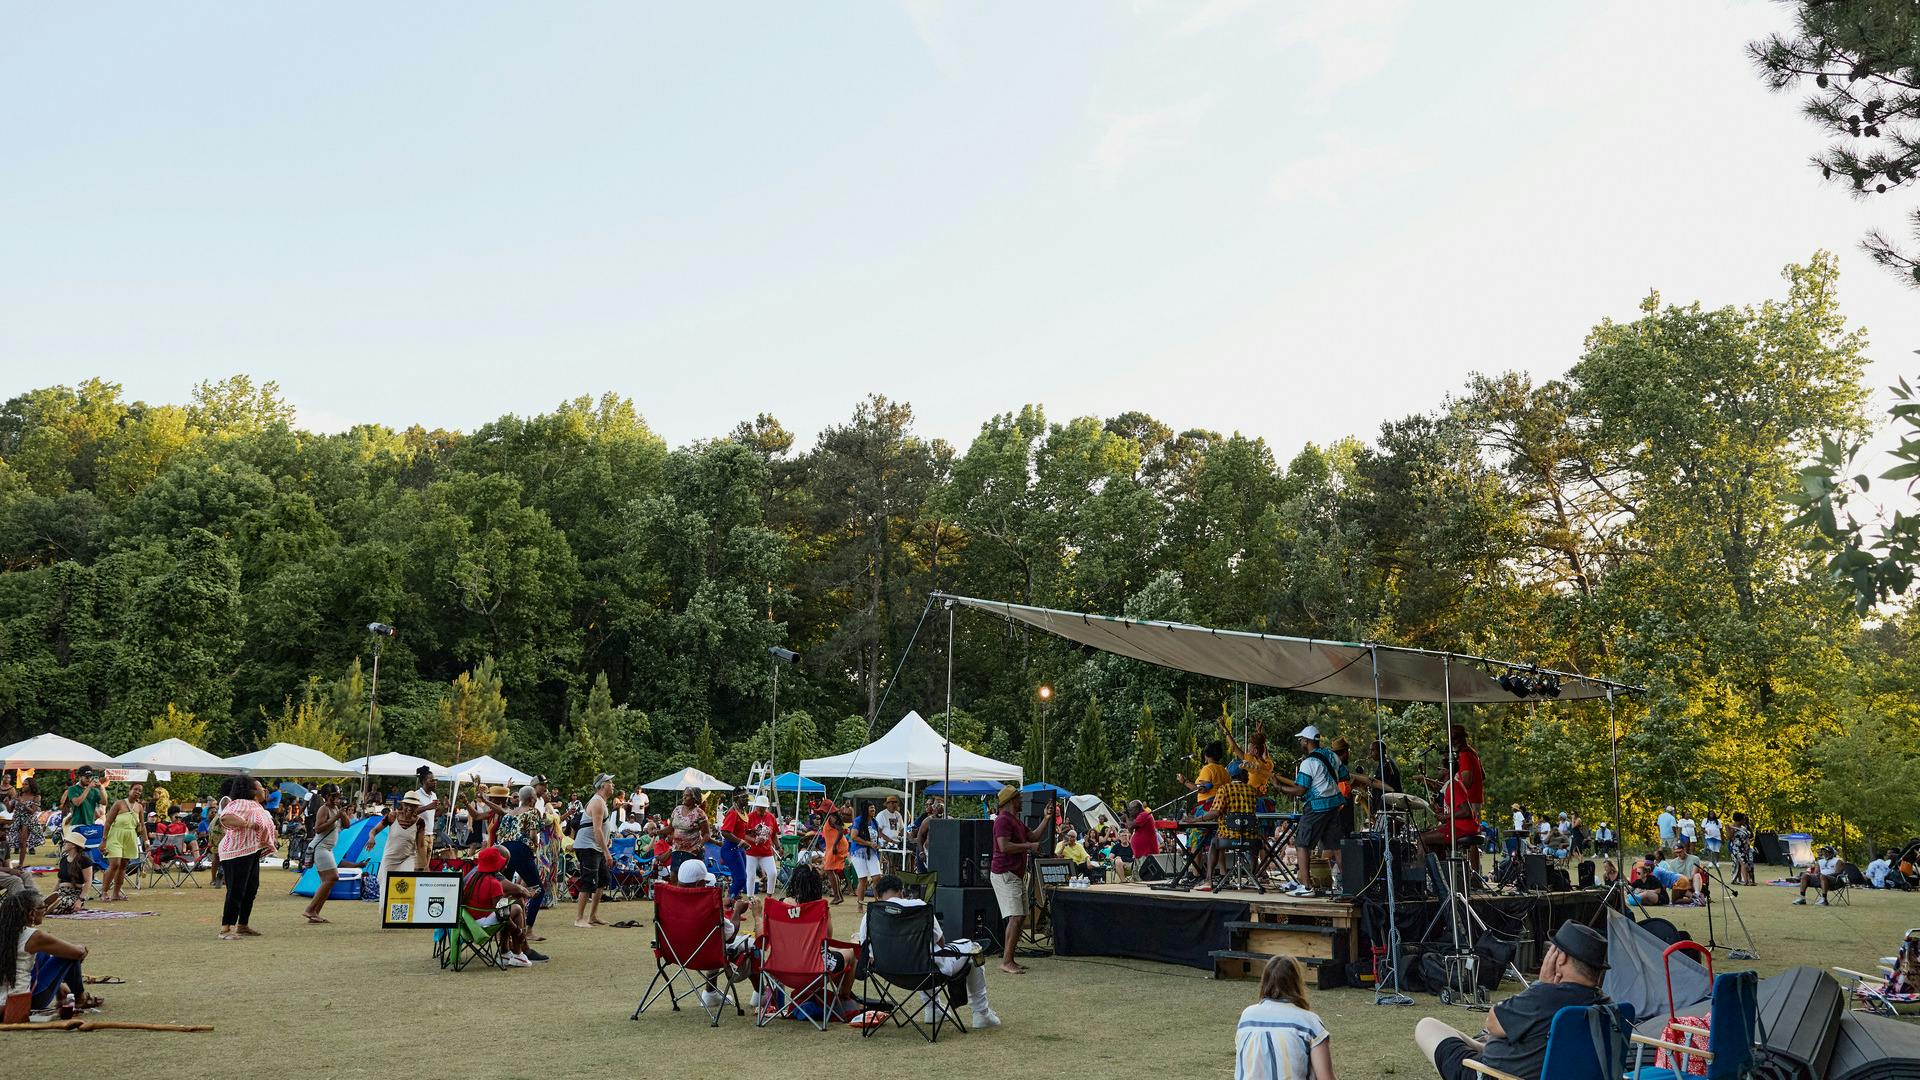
x,y
833,852
1213,775
1258,763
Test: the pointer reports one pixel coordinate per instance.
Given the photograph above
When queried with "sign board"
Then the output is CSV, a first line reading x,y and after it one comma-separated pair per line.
x,y
1053,872
416,901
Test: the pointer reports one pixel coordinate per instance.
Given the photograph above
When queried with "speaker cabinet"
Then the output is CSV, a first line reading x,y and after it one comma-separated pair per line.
x,y
1536,879
970,913
958,850
1360,859
1586,874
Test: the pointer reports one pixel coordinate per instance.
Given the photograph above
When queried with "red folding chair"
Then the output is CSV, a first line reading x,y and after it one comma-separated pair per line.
x,y
689,939
793,944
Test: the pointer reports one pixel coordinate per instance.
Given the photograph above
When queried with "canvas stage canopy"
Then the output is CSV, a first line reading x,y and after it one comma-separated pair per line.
x,y
1340,668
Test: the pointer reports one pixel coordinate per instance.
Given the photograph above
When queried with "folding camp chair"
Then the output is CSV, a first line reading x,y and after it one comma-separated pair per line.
x,y
466,940
918,886
899,955
167,861
1730,1033
793,968
689,939
1585,1042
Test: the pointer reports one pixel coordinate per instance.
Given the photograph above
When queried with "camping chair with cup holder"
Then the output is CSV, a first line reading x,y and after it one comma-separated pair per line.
x,y
794,980
899,957
1585,1042
1895,991
689,941
1729,1036
467,940
918,886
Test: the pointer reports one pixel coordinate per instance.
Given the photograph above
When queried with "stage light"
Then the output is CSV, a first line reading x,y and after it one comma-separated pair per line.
x,y
786,655
1045,692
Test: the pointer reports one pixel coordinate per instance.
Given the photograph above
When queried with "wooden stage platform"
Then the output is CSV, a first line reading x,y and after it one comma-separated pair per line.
x,y
1233,932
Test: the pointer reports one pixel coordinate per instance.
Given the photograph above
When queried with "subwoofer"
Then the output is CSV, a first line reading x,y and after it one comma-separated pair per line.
x,y
973,914
1156,867
1536,879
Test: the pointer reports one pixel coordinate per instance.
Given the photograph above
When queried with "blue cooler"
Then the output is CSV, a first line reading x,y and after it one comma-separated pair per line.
x,y
348,887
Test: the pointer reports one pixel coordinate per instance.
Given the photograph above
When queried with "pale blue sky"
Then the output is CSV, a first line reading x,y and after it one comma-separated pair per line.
x,y
1292,220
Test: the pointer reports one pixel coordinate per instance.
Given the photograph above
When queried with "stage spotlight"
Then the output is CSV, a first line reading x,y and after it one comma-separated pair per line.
x,y
1550,687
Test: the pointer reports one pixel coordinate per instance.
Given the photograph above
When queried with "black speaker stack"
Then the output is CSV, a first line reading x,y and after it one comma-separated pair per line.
x,y
1536,879
959,852
1771,851
1034,807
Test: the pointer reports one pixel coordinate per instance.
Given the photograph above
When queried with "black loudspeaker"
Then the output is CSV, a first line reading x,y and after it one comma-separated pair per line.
x,y
1495,954
973,914
958,850
1536,874
1360,869
1035,808
1586,874
1769,849
1156,867
1557,875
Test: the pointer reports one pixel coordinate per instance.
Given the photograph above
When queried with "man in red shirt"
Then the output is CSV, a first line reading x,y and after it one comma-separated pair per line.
x,y
480,894
1145,838
1012,843
1467,768
759,830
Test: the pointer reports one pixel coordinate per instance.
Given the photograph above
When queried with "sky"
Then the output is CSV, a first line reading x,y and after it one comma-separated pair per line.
x,y
1290,220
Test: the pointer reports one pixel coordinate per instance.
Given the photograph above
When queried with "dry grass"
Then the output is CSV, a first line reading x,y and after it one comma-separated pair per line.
x,y
350,1000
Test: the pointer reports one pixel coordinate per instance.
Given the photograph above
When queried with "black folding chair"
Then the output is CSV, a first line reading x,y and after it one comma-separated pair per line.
x,y
899,958
1240,848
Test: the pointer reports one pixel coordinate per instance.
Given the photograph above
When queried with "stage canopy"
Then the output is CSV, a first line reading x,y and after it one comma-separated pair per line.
x,y
173,756
50,751
1340,668
491,770
286,759
911,751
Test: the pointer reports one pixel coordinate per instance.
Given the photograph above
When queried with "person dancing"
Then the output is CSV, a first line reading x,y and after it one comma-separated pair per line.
x,y
125,837
327,819
249,836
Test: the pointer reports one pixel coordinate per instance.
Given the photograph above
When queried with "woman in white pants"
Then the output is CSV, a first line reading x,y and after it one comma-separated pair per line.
x,y
760,849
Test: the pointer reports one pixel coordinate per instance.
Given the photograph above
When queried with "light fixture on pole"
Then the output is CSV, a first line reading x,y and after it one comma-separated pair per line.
x,y
1045,694
380,631
780,656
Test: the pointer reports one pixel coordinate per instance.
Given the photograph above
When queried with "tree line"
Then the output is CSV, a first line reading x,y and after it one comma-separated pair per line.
x,y
573,594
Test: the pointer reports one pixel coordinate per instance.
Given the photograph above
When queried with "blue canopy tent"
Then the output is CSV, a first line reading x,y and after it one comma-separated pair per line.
x,y
965,789
349,846
1039,785
788,783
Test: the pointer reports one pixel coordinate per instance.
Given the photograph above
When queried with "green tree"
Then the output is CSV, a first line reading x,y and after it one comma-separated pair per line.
x,y
1092,758
471,716
1147,768
1869,777
308,722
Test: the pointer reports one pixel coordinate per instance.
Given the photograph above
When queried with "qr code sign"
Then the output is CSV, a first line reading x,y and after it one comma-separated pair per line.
x,y
400,913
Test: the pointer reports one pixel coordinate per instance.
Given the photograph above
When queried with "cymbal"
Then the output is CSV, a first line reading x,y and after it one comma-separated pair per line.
x,y
1396,798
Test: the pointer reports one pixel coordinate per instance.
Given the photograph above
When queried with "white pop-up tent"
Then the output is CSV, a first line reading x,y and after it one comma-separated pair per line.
x,y
912,751
393,765
174,756
286,759
50,751
491,770
686,778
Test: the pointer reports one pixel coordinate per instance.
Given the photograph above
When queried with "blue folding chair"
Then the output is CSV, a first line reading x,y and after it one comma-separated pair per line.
x,y
96,836
1585,1042
1731,1027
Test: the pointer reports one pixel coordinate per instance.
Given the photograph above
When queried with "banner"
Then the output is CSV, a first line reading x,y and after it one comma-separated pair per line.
x,y
415,901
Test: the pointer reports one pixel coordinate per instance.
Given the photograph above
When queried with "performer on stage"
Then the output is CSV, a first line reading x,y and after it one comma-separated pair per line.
x,y
1258,763
1456,819
1213,775
1323,820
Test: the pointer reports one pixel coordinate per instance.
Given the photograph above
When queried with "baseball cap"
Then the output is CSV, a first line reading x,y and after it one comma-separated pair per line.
x,y
1308,732
603,778
693,872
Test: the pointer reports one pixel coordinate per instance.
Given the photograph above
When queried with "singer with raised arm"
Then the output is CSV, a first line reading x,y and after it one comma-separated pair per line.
x,y
1253,757
1012,843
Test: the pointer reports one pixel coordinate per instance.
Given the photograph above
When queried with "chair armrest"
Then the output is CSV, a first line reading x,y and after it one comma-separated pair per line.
x,y
1691,1029
1488,1070
1673,1048
843,944
1851,974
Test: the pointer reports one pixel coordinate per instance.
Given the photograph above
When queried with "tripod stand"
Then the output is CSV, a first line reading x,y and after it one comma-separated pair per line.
x,y
1748,953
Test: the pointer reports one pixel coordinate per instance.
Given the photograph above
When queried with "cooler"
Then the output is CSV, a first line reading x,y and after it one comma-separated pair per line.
x,y
348,887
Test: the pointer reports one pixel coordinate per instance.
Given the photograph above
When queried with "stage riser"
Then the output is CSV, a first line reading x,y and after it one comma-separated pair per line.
x,y
1289,943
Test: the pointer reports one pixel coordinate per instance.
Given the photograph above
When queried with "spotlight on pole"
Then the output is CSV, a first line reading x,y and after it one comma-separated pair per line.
x,y
381,628
786,656
1045,692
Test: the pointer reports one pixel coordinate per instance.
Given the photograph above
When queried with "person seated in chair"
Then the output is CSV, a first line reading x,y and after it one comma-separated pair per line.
x,y
1825,872
1649,884
1237,797
1884,872
1517,1028
1074,851
693,874
480,895
950,957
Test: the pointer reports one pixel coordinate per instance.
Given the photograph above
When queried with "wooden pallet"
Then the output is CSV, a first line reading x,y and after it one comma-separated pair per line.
x,y
1314,933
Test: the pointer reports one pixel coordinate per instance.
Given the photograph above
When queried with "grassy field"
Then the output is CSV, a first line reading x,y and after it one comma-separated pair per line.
x,y
350,1000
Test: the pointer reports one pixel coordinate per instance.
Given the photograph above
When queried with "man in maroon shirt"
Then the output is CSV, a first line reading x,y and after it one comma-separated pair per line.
x,y
1011,845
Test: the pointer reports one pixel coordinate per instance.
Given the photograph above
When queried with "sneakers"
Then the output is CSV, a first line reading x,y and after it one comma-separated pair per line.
x,y
1205,886
1822,902
1300,890
712,999
1799,900
753,1001
535,955
510,960
985,1019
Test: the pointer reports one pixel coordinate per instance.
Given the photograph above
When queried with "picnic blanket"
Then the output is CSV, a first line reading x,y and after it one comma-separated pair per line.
x,y
103,913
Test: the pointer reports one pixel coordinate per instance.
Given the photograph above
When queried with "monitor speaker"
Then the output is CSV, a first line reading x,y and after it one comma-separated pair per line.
x,y
1536,879
1586,873
1770,849
1360,869
958,851
1034,810
973,914
1156,867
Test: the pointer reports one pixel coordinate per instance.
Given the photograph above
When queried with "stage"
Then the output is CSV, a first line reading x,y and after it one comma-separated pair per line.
x,y
1234,931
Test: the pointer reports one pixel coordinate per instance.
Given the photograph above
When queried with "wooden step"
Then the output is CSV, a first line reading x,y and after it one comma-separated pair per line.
x,y
1305,928
1246,964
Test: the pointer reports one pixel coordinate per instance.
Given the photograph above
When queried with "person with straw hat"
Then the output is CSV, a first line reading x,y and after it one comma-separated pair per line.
x,y
1012,843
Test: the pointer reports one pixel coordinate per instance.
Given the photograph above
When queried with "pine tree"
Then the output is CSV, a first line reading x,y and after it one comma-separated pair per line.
x,y
703,755
1186,740
471,716
1145,779
1092,760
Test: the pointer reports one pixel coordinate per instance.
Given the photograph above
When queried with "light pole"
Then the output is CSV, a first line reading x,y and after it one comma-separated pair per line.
x,y
780,656
380,632
1045,694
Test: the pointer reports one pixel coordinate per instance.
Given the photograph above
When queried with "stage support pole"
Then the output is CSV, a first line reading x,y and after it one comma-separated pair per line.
x,y
1380,996
1613,738
946,779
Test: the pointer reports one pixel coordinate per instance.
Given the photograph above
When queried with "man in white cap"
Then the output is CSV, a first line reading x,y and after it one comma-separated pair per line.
x,y
694,874
1323,817
1669,826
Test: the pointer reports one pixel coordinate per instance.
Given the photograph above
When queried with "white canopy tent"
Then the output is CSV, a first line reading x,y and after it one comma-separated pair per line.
x,y
286,759
686,778
393,765
50,751
491,770
174,756
911,751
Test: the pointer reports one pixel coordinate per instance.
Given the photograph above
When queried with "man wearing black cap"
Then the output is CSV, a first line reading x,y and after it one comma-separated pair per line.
x,y
1517,1027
